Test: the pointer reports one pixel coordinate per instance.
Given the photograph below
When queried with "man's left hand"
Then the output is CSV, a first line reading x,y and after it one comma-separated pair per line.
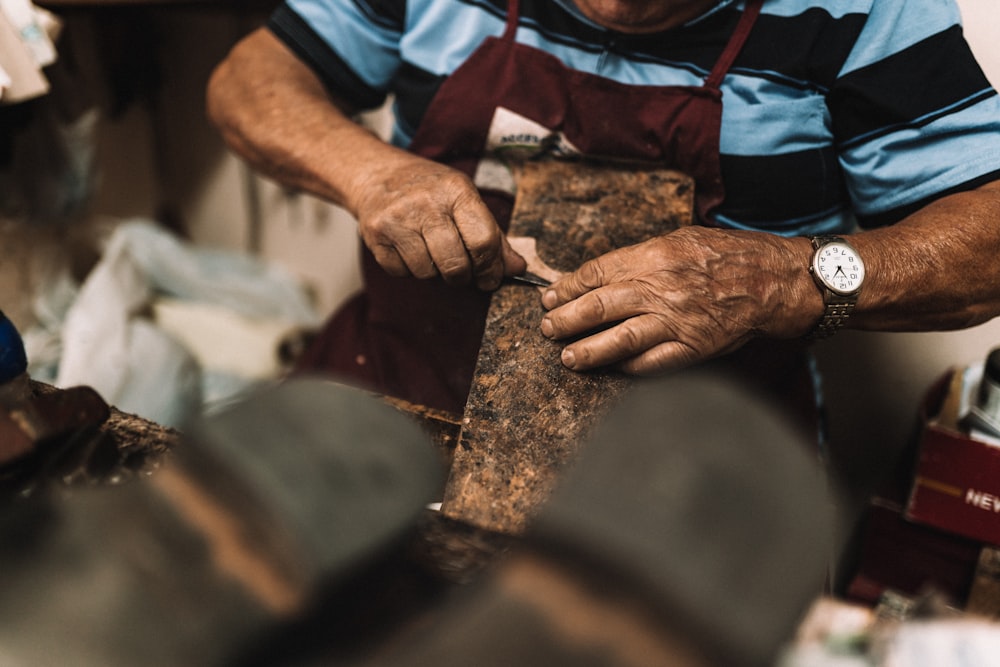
x,y
681,298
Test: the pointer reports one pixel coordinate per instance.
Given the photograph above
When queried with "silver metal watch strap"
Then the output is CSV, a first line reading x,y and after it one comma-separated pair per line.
x,y
837,308
834,317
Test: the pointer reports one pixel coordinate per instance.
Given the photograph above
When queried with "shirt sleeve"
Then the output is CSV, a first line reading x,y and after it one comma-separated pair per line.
x,y
351,45
913,115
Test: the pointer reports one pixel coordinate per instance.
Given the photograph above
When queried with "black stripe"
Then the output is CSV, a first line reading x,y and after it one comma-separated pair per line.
x,y
335,74
926,120
560,26
897,214
788,186
415,88
806,51
918,82
389,14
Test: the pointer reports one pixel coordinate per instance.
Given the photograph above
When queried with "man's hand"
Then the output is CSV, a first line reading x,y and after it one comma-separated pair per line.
x,y
423,219
418,217
681,298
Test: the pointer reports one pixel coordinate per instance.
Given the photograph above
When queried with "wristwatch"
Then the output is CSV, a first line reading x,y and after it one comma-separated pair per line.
x,y
839,272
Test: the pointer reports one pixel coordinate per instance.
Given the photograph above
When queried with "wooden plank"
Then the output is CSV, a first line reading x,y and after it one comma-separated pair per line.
x,y
526,413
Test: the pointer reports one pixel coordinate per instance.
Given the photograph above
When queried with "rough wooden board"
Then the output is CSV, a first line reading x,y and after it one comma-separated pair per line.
x,y
526,414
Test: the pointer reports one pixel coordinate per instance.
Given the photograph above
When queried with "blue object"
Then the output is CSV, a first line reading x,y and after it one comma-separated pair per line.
x,y
13,360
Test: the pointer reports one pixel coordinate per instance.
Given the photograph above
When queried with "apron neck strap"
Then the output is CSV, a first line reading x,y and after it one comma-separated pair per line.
x,y
512,16
735,45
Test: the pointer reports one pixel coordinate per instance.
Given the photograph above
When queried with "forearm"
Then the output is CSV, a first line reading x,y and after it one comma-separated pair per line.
x,y
418,218
273,112
938,269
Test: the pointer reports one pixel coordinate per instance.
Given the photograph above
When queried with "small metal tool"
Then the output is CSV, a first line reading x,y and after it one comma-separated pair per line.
x,y
528,278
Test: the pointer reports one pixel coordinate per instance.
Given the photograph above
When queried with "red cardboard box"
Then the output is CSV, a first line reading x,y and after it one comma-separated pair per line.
x,y
956,484
905,557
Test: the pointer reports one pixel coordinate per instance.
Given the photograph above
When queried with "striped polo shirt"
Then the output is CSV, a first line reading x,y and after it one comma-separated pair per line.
x,y
833,113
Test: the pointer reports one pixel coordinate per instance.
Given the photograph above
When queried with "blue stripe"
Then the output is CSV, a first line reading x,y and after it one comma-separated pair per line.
x,y
972,100
349,33
880,180
838,9
462,27
757,123
484,5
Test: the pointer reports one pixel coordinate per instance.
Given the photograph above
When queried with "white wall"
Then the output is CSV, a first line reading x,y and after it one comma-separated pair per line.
x,y
982,28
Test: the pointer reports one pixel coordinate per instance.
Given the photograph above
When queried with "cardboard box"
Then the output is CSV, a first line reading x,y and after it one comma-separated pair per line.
x,y
956,483
907,558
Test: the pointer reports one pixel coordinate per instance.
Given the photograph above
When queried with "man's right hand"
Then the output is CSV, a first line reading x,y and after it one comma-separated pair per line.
x,y
423,219
418,217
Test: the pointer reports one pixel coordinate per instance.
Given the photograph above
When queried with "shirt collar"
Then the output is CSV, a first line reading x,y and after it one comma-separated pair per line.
x,y
571,7
722,4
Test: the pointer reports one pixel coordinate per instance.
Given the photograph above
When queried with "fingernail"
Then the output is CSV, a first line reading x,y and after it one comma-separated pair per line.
x,y
547,327
568,358
549,298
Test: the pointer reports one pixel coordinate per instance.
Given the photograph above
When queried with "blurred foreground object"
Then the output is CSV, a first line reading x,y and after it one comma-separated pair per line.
x,y
241,529
694,529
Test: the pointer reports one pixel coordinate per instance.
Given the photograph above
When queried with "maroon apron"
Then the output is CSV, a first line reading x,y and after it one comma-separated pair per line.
x,y
419,339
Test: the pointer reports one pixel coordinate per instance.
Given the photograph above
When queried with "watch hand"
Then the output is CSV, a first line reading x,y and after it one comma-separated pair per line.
x,y
840,270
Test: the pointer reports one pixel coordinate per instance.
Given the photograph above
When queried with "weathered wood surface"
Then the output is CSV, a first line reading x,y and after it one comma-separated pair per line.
x,y
71,436
527,414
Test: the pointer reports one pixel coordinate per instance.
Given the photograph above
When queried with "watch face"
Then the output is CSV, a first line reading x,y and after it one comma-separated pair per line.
x,y
839,267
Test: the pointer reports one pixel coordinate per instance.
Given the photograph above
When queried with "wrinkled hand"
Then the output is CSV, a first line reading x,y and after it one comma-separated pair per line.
x,y
681,298
423,219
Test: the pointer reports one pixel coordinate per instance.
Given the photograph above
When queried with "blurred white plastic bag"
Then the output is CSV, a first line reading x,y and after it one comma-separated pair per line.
x,y
109,342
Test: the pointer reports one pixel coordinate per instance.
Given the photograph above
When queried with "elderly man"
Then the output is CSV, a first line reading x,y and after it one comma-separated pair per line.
x,y
859,138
